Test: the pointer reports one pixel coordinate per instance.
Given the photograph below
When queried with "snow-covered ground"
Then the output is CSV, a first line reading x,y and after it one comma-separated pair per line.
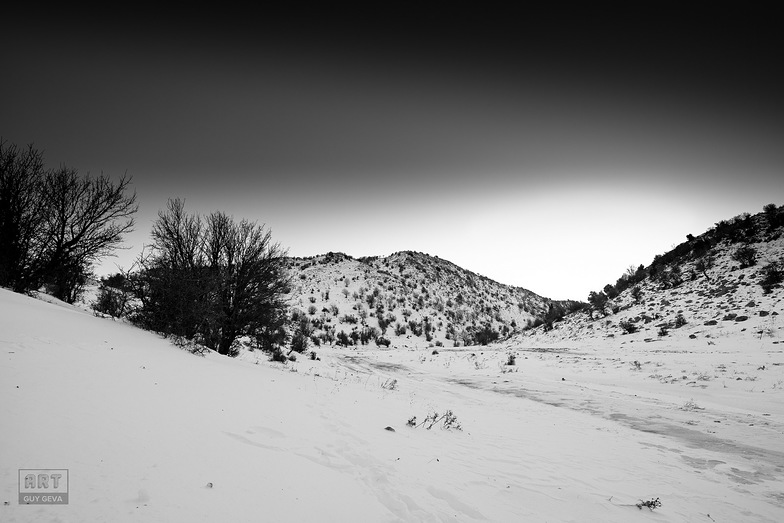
x,y
570,432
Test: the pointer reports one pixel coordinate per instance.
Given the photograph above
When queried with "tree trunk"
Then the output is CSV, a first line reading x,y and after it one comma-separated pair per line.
x,y
227,338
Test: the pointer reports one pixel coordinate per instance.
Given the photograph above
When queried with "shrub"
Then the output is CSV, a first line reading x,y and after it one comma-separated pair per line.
x,y
652,504
670,277
367,334
277,354
343,339
511,359
636,293
448,421
772,215
382,341
746,255
598,301
113,296
486,335
299,342
303,330
628,327
772,275
680,321
189,345
704,264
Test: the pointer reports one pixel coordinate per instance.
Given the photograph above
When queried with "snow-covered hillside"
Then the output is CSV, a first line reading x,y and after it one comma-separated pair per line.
x,y
720,300
410,299
150,432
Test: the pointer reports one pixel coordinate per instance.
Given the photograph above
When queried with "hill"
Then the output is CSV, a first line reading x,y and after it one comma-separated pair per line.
x,y
724,283
408,299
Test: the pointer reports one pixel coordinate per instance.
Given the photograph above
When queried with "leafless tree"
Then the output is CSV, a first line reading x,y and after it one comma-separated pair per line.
x,y
214,278
21,213
169,279
86,220
250,273
55,224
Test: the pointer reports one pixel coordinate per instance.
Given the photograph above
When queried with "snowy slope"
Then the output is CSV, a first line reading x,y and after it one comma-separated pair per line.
x,y
410,289
724,302
145,427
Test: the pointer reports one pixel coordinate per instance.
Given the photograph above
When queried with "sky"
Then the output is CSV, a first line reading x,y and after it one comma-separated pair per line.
x,y
549,151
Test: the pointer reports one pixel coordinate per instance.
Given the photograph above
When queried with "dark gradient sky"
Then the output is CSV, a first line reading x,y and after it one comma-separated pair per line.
x,y
546,151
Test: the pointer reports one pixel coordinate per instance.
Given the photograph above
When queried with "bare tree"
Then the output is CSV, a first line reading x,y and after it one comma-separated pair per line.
x,y
215,278
250,273
21,213
85,221
170,280
55,224
177,237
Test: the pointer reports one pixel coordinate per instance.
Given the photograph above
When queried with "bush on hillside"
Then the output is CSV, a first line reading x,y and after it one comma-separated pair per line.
x,y
745,255
669,277
705,264
113,296
486,335
367,334
773,215
772,275
598,301
302,333
628,327
680,321
343,339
